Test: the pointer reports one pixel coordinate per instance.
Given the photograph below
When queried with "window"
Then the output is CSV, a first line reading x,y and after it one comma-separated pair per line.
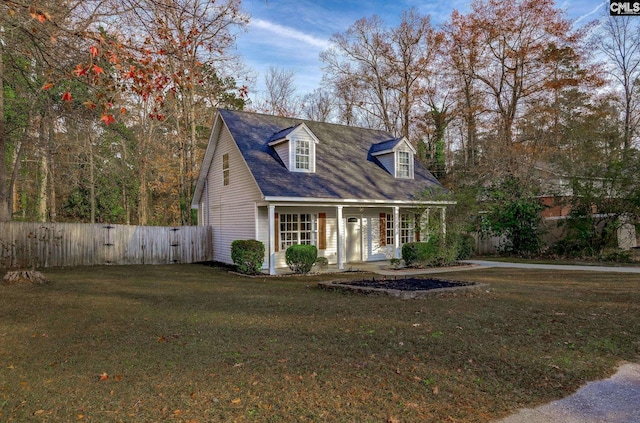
x,y
407,228
303,155
390,234
403,164
297,229
225,169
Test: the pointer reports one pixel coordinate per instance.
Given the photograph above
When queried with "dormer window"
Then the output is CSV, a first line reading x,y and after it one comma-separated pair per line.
x,y
296,147
302,155
404,162
396,156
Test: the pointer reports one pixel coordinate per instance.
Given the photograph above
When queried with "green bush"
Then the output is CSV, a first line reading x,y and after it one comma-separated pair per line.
x,y
466,246
247,255
322,262
616,255
301,257
417,254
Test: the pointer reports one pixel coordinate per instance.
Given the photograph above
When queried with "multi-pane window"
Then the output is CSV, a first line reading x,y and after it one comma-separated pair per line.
x,y
303,155
225,169
403,165
407,228
296,229
390,232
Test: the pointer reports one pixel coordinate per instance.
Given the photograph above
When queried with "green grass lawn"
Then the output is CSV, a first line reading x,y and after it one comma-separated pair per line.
x,y
194,343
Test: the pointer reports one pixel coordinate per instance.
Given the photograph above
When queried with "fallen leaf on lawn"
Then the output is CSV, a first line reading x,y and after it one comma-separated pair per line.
x,y
177,412
103,376
118,378
238,365
37,413
11,366
80,416
162,339
236,401
393,420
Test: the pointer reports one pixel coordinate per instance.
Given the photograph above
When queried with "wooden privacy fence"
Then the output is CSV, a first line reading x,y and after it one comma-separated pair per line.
x,y
26,244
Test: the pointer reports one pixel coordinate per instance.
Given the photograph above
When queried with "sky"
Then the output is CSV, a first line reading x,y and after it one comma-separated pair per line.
x,y
290,34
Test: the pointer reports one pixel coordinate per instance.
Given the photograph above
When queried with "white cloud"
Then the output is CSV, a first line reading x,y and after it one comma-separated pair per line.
x,y
290,33
590,13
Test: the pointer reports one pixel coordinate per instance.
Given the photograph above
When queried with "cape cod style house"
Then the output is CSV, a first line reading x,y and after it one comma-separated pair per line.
x,y
351,192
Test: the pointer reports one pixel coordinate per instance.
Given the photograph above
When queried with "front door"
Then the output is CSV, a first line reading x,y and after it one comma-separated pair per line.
x,y
354,239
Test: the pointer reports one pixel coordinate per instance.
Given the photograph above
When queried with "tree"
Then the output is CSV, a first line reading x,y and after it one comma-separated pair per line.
x,y
513,213
512,62
318,105
280,95
619,40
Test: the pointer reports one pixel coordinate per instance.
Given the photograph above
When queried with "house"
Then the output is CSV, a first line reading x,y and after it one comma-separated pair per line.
x,y
351,192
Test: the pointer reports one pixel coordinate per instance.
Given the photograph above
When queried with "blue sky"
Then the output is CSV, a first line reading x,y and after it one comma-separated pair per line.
x,y
290,34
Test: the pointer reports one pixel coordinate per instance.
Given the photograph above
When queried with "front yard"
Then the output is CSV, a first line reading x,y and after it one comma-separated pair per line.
x,y
194,343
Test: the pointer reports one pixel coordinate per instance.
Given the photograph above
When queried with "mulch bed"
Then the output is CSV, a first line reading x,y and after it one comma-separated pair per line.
x,y
408,284
405,287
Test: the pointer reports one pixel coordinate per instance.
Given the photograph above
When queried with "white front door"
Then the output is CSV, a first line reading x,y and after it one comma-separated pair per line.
x,y
353,238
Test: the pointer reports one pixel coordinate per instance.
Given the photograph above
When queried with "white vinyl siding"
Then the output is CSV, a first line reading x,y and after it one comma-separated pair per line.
x,y
231,216
283,152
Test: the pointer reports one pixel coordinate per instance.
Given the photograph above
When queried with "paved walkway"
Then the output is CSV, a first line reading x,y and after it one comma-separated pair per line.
x,y
613,400
614,269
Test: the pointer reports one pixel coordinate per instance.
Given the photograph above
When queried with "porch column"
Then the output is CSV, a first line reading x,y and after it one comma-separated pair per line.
x,y
340,233
272,239
443,217
396,231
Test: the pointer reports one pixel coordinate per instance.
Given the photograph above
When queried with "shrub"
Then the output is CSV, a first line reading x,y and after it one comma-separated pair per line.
x,y
616,255
419,253
466,246
396,263
300,257
322,262
247,255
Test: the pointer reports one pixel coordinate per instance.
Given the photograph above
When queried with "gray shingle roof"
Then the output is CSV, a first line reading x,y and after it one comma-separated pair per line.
x,y
384,145
345,168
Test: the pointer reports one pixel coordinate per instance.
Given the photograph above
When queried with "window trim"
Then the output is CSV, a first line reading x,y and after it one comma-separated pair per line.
x,y
407,228
297,155
389,230
407,168
292,235
225,169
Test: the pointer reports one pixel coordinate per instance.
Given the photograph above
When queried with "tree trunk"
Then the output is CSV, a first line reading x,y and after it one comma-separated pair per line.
x,y
5,212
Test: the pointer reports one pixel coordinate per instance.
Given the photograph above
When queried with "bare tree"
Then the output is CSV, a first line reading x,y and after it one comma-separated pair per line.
x,y
280,95
619,41
318,105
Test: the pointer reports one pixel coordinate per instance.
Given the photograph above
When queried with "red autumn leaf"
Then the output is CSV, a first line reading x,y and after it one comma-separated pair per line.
x,y
123,111
107,119
79,70
39,16
97,69
93,50
47,86
66,96
103,376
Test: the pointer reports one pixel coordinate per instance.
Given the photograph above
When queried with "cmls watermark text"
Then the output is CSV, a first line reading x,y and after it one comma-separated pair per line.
x,y
622,8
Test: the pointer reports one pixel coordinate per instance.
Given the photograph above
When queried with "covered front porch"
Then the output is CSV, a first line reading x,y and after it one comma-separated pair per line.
x,y
346,233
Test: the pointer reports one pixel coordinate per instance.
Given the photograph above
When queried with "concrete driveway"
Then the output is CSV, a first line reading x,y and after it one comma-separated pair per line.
x,y
612,400
614,269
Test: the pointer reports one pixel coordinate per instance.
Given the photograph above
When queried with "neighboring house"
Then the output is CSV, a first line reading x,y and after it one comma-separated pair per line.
x,y
351,192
